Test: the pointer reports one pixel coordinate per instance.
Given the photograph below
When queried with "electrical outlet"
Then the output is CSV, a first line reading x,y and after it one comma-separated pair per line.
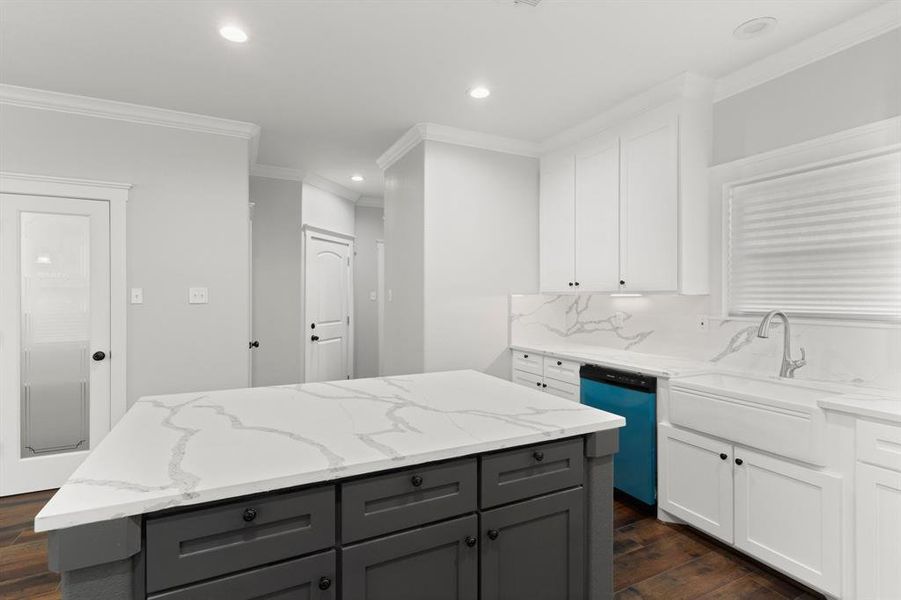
x,y
137,295
703,323
198,295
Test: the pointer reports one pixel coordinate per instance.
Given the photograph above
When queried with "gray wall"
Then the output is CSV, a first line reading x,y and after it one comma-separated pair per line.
x,y
481,245
187,226
402,345
369,228
854,87
276,280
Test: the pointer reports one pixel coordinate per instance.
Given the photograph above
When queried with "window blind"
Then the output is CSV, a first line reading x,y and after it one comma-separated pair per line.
x,y
822,243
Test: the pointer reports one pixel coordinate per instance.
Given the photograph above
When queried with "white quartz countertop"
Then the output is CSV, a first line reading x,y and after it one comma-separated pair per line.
x,y
648,364
862,402
185,449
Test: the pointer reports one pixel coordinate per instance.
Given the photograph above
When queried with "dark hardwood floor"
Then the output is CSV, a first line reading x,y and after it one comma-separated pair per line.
x,y
652,560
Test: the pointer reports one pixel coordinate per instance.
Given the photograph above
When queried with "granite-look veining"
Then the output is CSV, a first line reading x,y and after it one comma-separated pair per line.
x,y
186,449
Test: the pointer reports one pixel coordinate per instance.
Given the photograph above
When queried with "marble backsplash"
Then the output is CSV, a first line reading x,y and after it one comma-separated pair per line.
x,y
865,355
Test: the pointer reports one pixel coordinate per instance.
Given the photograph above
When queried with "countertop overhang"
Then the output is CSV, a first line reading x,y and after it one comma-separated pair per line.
x,y
192,448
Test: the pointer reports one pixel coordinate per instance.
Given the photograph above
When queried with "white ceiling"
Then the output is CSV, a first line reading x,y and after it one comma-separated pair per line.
x,y
333,83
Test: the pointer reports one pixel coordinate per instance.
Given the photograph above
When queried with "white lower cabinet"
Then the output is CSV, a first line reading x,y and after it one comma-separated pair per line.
x,y
878,533
777,511
557,377
789,516
694,480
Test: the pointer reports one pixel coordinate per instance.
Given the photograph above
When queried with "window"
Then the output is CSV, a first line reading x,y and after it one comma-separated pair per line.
x,y
824,243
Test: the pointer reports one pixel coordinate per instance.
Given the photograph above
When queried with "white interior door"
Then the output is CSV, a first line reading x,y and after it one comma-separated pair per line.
x,y
54,337
327,304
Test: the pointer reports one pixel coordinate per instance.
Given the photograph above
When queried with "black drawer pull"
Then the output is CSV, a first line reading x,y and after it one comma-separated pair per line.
x,y
739,461
724,456
538,383
539,456
416,480
249,514
470,541
525,356
559,363
493,533
325,583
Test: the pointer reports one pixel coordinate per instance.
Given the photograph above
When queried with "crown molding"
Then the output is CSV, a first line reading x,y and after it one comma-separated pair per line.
x,y
371,202
330,186
273,172
684,85
460,137
861,28
14,95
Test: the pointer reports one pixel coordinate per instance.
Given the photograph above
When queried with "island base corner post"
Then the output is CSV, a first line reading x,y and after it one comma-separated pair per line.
x,y
100,560
599,450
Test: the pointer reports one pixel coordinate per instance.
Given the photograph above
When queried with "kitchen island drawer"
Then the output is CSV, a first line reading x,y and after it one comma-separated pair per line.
x,y
201,544
387,503
310,578
530,471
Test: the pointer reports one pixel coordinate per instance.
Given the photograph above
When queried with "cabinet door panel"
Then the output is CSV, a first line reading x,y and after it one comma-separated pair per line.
x,y
695,481
556,225
790,517
878,533
430,562
538,550
649,220
597,217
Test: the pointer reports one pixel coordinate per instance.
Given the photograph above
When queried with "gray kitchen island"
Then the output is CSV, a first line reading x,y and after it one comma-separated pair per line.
x,y
452,485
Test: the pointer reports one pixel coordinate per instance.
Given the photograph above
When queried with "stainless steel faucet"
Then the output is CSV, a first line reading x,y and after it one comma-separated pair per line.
x,y
789,366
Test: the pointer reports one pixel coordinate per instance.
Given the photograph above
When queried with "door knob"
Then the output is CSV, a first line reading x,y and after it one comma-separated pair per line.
x,y
314,338
255,344
99,355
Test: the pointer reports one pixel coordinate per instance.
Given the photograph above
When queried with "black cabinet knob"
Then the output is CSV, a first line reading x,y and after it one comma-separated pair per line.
x,y
570,284
314,338
99,355
325,583
622,282
544,385
538,383
470,541
493,533
738,461
525,356
416,480
538,455
724,456
250,514
577,284
312,325
559,363
255,344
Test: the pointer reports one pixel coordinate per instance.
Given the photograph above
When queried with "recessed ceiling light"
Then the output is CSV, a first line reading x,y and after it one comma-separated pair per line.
x,y
356,178
479,92
233,34
755,28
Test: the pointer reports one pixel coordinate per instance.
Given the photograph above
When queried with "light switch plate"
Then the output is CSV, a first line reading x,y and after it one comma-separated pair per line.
x,y
137,295
198,295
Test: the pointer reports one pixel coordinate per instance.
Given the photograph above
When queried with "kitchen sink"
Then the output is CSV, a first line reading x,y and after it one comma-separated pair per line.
x,y
774,415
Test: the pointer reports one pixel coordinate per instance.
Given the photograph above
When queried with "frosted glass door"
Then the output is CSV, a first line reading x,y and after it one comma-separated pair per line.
x,y
55,310
55,322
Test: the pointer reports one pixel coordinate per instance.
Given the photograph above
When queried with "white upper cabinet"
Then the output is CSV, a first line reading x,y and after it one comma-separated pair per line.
x,y
556,217
626,210
597,216
649,198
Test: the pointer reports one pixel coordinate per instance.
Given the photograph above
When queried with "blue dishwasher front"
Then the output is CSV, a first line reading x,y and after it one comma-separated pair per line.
x,y
633,396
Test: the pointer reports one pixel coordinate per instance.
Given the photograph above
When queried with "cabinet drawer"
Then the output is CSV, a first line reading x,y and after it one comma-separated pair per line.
x,y
205,543
528,362
566,371
531,471
879,444
378,505
303,579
